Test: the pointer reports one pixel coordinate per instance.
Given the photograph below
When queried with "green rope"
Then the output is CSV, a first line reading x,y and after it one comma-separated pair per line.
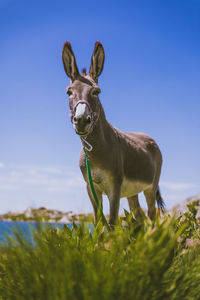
x,y
104,221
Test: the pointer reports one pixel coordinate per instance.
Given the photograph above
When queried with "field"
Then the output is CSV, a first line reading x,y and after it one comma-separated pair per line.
x,y
159,260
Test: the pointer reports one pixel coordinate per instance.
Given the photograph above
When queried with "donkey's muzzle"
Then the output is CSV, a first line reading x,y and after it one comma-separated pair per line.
x,y
81,124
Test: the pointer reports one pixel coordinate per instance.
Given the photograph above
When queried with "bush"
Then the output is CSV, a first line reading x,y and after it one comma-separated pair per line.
x,y
135,261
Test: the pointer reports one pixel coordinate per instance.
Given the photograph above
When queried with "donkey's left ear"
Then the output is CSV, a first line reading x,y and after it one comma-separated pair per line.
x,y
97,61
69,61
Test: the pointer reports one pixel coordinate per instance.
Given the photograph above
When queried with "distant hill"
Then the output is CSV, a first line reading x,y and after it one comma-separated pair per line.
x,y
37,214
182,207
43,214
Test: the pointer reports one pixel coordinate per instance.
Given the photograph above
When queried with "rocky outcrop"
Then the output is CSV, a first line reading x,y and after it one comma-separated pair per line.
x,y
182,207
43,214
38,214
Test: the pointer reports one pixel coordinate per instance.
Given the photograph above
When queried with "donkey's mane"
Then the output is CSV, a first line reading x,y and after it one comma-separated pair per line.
x,y
84,71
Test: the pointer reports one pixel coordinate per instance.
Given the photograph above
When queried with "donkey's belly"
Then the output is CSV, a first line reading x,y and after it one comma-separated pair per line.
x,y
104,183
130,188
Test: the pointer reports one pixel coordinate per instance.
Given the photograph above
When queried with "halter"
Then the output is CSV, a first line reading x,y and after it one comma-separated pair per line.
x,y
94,115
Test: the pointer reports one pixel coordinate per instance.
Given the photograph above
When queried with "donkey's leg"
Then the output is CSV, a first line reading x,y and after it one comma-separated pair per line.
x,y
99,196
134,206
114,198
150,196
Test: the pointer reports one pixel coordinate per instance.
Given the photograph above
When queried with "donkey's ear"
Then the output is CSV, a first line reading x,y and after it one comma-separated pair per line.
x,y
69,61
97,61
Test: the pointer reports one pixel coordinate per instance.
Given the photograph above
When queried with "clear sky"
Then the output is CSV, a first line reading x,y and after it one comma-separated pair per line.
x,y
150,83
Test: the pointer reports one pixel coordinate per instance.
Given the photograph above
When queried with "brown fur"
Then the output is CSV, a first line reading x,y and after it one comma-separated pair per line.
x,y
122,164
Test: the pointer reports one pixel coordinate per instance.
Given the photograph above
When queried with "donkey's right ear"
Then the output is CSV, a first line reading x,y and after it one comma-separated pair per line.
x,y
97,61
69,61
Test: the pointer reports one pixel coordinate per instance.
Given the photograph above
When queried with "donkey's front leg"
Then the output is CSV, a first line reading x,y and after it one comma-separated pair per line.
x,y
114,198
99,196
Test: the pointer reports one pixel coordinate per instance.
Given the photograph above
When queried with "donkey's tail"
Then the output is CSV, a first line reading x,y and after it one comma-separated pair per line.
x,y
160,201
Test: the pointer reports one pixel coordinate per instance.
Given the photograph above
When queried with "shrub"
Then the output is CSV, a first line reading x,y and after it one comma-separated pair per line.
x,y
135,261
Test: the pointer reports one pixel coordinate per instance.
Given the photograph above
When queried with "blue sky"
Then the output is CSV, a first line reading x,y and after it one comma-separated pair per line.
x,y
150,83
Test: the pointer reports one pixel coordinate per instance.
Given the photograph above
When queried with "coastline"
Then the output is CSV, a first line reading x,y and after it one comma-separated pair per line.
x,y
45,215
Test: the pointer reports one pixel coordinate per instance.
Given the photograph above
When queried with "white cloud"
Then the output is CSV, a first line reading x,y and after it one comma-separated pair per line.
x,y
176,192
2,165
58,188
177,186
48,179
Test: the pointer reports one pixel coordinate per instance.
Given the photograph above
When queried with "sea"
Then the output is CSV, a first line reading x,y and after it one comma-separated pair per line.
x,y
8,229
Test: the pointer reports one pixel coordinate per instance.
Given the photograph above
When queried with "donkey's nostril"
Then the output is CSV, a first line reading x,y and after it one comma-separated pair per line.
x,y
75,119
88,119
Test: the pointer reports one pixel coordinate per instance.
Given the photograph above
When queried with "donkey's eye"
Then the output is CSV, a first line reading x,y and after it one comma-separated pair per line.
x,y
96,91
69,91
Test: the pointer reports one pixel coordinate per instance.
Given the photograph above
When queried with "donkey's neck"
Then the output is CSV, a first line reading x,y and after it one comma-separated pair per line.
x,y
100,135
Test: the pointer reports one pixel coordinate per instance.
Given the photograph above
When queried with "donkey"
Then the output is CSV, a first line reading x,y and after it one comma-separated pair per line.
x,y
122,164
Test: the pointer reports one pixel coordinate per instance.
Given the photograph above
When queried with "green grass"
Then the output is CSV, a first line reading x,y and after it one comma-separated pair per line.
x,y
135,261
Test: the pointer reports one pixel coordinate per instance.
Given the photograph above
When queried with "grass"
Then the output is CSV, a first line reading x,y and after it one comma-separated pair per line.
x,y
159,260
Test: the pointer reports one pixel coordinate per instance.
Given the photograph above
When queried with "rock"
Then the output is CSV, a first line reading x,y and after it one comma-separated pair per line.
x,y
182,207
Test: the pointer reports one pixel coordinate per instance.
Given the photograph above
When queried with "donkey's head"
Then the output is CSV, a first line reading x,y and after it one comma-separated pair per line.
x,y
83,89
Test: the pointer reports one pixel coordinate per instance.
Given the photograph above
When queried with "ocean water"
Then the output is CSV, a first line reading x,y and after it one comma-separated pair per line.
x,y
23,228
